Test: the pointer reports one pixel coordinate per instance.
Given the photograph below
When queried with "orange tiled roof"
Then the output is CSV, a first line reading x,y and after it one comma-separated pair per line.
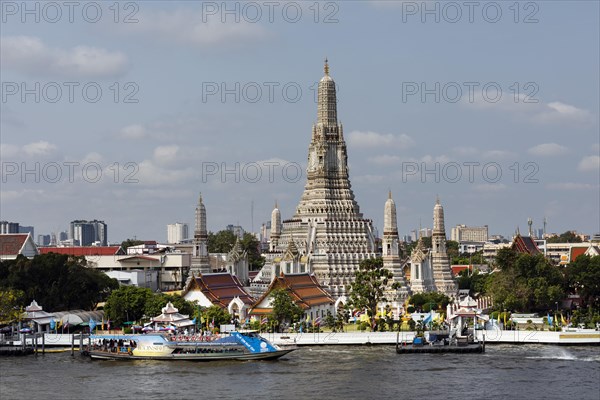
x,y
304,289
11,244
220,288
577,251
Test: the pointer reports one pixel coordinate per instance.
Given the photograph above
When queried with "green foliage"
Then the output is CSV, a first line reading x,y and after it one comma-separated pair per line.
x,y
157,301
566,237
583,277
217,314
429,300
475,282
57,282
524,282
128,303
223,242
467,259
11,304
130,242
367,290
284,308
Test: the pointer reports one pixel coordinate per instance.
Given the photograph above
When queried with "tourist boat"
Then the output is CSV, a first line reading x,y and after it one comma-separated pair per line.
x,y
156,346
440,342
458,338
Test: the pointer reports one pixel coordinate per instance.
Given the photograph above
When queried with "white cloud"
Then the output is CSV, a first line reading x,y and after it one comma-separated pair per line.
x,y
40,148
571,186
30,55
590,163
531,109
499,155
188,27
547,149
135,131
374,139
557,112
465,151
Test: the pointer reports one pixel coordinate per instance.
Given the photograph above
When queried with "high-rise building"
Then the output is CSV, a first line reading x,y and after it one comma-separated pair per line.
x,y
237,230
87,233
43,240
177,232
9,227
463,233
27,229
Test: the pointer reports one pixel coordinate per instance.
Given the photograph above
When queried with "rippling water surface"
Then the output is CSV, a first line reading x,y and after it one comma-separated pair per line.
x,y
329,372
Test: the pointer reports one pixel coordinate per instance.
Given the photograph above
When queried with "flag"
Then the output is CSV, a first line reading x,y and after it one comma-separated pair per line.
x,y
194,321
307,318
264,320
427,318
498,318
212,324
92,324
562,320
318,321
59,324
549,320
52,324
102,325
108,324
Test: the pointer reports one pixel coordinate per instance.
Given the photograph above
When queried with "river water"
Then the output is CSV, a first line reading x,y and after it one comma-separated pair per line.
x,y
328,372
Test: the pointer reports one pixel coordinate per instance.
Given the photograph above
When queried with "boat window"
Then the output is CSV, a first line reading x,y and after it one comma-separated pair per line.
x,y
157,344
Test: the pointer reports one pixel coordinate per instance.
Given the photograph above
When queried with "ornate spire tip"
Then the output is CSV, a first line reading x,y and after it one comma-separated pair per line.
x,y
326,67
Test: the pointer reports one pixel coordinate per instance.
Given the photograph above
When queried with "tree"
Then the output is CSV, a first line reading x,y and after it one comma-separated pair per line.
x,y
566,237
424,301
128,303
217,315
583,278
367,290
10,305
58,282
156,302
284,308
223,242
130,242
525,282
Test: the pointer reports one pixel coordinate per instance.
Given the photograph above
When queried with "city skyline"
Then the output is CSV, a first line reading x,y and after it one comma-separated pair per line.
x,y
199,114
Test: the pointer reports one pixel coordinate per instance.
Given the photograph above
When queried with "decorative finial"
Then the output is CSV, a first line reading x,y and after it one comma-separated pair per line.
x,y
276,204
326,68
390,194
200,198
437,199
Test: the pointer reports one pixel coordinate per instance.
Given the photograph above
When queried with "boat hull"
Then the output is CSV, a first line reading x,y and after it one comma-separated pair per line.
x,y
470,348
271,355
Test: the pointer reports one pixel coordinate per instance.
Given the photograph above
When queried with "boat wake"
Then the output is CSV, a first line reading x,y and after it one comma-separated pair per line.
x,y
563,354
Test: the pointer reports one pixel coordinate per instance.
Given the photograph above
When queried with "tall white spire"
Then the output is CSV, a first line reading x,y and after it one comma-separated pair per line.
x,y
200,260
390,223
275,227
442,274
200,217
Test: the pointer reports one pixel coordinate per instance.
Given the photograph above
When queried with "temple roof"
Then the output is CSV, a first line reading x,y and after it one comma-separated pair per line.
x,y
219,288
303,288
525,244
83,250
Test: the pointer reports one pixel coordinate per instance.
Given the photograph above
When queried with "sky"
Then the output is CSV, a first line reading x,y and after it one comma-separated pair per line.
x,y
126,111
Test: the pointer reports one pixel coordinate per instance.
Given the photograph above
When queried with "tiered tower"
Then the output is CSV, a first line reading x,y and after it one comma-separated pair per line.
x,y
442,274
327,226
391,249
200,260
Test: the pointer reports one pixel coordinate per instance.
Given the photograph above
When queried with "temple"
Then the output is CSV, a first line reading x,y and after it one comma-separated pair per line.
x,y
327,235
